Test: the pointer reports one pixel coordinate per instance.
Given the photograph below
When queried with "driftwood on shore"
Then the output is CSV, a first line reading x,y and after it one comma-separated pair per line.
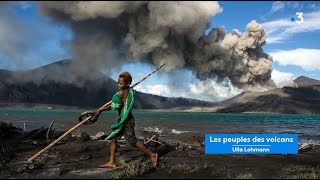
x,y
49,130
305,147
8,130
39,134
149,141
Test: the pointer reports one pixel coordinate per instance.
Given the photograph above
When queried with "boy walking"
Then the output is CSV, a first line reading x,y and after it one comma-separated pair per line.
x,y
123,102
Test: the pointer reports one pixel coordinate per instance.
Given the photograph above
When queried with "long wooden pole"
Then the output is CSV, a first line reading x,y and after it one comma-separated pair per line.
x,y
85,120
57,140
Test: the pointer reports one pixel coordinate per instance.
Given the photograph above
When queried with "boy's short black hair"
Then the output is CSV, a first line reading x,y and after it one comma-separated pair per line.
x,y
126,76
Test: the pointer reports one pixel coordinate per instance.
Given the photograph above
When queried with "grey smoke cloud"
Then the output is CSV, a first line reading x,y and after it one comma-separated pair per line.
x,y
23,43
14,37
108,33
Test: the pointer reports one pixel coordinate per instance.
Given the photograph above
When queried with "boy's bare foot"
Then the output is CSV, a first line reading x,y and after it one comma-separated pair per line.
x,y
154,159
109,165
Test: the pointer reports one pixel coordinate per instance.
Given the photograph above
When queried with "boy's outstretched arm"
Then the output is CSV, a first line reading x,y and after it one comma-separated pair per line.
x,y
102,109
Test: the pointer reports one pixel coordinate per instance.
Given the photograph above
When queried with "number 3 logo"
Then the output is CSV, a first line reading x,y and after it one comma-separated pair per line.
x,y
300,16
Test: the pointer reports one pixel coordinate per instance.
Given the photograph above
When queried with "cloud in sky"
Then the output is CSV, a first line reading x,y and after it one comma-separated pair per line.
x,y
212,91
313,6
24,5
279,77
282,29
276,6
158,89
15,41
281,6
283,79
208,90
307,59
28,43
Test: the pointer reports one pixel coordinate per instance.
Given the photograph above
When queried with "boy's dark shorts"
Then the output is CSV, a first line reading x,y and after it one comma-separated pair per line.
x,y
128,131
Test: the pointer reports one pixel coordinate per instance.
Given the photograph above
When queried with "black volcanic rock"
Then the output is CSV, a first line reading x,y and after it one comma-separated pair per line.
x,y
306,81
59,84
286,100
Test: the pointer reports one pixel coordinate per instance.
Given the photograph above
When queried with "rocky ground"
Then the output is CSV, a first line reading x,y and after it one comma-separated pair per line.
x,y
79,156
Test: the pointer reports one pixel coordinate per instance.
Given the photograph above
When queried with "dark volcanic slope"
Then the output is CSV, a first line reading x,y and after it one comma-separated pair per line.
x,y
57,83
306,81
288,100
50,85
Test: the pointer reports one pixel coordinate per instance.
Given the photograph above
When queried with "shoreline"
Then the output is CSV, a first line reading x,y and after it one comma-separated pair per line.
x,y
35,106
38,106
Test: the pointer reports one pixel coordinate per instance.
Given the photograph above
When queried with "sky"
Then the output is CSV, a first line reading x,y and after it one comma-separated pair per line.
x,y
29,40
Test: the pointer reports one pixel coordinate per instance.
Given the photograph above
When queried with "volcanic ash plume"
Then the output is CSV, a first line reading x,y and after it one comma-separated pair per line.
x,y
108,33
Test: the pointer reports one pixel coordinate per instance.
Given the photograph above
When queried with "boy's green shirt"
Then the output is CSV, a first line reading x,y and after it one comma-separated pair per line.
x,y
115,105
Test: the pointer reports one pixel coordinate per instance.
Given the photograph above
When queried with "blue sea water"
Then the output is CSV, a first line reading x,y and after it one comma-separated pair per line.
x,y
173,125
